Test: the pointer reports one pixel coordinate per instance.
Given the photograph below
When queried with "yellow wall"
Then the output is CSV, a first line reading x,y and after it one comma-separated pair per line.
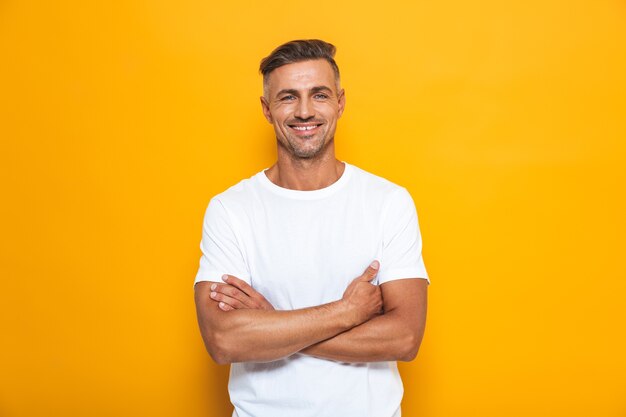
x,y
505,120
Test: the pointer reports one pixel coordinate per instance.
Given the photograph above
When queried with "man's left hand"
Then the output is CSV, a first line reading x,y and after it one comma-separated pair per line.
x,y
237,294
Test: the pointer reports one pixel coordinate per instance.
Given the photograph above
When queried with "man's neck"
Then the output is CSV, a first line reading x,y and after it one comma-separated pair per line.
x,y
305,174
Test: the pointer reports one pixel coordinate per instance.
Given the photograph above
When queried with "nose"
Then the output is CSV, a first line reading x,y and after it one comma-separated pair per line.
x,y
305,109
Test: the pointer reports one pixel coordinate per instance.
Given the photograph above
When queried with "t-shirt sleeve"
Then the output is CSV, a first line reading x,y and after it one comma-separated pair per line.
x,y
221,251
402,240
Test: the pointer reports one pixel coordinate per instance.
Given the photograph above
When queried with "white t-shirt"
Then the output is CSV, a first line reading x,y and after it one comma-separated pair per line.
x,y
301,249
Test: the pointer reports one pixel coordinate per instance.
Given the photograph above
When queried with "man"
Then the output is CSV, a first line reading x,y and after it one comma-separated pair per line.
x,y
307,283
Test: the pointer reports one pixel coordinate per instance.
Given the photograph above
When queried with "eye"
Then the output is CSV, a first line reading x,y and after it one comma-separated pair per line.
x,y
288,97
320,96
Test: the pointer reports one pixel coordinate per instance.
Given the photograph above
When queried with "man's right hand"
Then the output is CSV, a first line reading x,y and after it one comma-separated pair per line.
x,y
362,297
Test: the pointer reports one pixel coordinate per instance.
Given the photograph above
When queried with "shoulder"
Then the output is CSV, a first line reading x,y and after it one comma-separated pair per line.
x,y
233,203
238,195
376,185
390,200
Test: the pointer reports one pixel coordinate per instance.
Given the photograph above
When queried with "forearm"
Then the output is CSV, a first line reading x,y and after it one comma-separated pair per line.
x,y
239,325
261,336
383,338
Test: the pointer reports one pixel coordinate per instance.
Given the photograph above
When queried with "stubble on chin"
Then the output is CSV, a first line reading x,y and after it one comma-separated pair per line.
x,y
303,152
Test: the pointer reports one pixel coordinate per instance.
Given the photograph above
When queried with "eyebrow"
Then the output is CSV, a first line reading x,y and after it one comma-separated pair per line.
x,y
313,90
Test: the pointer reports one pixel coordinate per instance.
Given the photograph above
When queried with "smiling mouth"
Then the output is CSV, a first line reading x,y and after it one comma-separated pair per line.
x,y
305,127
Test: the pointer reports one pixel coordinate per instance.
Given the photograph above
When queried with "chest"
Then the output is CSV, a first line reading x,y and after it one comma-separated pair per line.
x,y
305,253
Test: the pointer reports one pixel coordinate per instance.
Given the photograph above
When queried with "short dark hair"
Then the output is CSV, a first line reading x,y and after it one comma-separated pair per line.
x,y
298,51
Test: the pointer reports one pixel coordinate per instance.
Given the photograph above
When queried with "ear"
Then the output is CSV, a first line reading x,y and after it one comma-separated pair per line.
x,y
342,102
266,110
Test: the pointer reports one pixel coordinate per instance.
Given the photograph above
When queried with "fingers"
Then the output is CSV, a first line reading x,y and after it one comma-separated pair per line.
x,y
224,306
256,298
370,272
239,283
238,294
232,296
225,302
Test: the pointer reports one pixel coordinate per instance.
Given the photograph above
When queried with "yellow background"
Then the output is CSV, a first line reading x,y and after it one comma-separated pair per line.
x,y
505,120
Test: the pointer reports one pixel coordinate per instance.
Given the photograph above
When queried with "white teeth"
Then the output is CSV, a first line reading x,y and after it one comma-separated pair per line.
x,y
304,127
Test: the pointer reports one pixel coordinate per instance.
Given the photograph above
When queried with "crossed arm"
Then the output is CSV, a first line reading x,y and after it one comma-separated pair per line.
x,y
394,335
239,325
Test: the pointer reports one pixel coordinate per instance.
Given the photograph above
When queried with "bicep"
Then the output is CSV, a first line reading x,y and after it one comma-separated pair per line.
x,y
210,316
213,320
214,323
407,300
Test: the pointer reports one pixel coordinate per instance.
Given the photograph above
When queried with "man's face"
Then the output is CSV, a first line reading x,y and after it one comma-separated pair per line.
x,y
303,103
